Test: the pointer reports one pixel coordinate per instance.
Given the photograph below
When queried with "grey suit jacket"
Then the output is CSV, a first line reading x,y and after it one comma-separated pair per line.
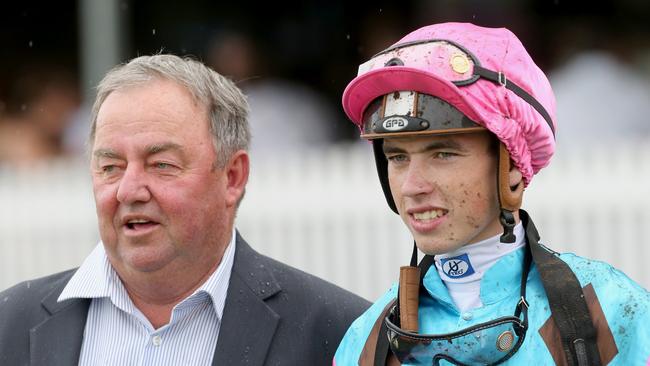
x,y
274,315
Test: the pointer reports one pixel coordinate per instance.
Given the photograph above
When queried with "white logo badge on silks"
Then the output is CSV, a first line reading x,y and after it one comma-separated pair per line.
x,y
457,267
395,123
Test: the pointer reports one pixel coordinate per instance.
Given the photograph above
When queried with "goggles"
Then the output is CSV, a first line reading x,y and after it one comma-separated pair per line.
x,y
404,112
488,343
448,61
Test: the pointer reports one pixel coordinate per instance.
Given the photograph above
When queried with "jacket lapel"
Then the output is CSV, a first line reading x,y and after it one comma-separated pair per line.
x,y
248,323
57,340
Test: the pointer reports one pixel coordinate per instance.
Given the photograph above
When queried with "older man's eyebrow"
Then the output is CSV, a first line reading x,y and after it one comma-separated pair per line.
x,y
166,146
106,153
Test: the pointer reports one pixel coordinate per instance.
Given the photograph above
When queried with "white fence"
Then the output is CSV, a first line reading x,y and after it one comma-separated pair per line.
x,y
323,211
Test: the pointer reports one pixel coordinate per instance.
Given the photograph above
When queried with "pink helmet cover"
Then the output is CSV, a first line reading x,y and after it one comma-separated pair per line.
x,y
526,134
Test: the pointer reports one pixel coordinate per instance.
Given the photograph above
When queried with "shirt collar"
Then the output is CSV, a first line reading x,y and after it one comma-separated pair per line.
x,y
96,278
499,280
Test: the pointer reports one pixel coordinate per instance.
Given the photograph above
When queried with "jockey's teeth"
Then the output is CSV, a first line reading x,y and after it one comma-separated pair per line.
x,y
427,215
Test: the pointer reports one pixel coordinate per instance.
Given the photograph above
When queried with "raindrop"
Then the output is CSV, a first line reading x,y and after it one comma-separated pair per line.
x,y
347,36
153,31
262,291
31,44
268,283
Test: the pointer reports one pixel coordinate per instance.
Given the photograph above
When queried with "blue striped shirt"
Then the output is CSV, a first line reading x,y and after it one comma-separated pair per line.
x,y
117,333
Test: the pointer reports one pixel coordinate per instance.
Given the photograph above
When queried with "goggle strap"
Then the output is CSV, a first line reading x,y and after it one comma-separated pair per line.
x,y
500,78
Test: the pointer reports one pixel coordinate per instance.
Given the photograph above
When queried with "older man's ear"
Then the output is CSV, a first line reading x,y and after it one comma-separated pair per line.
x,y
237,170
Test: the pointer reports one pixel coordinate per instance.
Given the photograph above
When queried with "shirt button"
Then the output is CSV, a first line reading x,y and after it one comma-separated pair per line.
x,y
467,316
156,340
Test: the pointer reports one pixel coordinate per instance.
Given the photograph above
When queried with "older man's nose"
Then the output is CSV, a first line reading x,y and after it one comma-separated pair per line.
x,y
133,186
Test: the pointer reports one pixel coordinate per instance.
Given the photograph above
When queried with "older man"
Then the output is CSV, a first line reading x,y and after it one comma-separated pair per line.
x,y
172,282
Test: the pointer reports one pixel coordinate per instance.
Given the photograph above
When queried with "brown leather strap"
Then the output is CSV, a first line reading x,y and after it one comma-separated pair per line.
x,y
409,286
367,357
607,348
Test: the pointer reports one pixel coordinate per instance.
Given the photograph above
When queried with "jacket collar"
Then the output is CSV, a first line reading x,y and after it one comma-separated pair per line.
x,y
248,323
57,340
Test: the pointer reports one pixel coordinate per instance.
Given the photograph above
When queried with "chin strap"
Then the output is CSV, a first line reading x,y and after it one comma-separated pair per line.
x,y
508,222
509,198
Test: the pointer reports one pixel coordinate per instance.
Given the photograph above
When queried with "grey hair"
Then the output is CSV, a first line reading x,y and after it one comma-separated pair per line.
x,y
227,106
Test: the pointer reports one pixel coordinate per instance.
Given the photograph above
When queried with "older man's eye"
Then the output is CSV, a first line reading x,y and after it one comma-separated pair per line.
x,y
108,168
161,165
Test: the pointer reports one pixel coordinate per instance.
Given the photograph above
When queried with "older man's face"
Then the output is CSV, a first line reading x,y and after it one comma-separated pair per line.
x,y
161,202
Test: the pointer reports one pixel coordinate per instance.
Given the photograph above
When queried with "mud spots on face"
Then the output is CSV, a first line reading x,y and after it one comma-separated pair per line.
x,y
472,221
451,236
